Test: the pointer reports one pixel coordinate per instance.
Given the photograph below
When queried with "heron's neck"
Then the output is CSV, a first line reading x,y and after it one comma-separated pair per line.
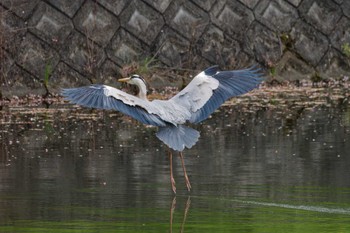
x,y
142,90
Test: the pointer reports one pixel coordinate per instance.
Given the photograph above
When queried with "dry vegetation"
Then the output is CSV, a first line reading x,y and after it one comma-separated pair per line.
x,y
266,96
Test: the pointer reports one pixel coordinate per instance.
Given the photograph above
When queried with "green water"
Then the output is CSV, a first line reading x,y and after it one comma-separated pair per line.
x,y
265,171
203,214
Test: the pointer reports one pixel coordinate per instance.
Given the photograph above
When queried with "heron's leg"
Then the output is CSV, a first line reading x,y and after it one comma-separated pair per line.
x,y
172,180
188,184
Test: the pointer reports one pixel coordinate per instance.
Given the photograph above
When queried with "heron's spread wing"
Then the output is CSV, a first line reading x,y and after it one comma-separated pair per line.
x,y
106,97
205,93
211,88
194,96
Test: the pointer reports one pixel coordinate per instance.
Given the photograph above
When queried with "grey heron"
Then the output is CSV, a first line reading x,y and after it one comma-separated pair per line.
x,y
200,98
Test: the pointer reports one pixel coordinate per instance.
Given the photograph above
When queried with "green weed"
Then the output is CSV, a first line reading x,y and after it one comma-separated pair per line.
x,y
346,49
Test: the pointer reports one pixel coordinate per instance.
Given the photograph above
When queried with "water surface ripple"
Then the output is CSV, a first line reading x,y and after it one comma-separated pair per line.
x,y
64,170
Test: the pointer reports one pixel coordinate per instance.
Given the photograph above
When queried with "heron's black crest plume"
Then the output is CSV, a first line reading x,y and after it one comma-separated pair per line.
x,y
139,77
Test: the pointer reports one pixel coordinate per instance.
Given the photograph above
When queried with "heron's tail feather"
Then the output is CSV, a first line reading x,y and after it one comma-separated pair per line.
x,y
178,137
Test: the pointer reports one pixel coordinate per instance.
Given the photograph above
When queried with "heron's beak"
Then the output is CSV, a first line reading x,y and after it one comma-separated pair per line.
x,y
124,80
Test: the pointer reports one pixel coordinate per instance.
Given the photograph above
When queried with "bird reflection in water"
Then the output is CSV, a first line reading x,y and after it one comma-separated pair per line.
x,y
172,210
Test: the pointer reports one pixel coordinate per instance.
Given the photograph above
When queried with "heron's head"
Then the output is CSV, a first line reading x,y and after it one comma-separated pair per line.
x,y
134,79
138,81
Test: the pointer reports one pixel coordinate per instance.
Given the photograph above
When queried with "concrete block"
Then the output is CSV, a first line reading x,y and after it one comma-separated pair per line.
x,y
82,54
264,44
91,39
22,8
341,34
219,49
339,1
115,6
250,3
125,48
160,5
186,18
109,73
6,62
308,42
96,23
295,2
232,17
205,5
346,8
68,7
172,48
334,65
196,62
142,21
64,77
20,83
322,14
13,30
50,25
277,15
291,68
35,55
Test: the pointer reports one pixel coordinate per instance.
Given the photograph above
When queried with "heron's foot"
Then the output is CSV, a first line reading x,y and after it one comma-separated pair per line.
x,y
188,184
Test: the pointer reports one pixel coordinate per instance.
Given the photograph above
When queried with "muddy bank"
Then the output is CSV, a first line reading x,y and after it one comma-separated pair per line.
x,y
267,95
286,99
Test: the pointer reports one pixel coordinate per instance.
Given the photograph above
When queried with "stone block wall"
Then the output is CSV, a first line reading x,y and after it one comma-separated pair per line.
x,y
49,44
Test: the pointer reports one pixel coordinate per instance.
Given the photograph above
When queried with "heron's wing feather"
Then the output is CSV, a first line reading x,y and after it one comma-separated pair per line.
x,y
231,83
106,97
211,88
194,96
